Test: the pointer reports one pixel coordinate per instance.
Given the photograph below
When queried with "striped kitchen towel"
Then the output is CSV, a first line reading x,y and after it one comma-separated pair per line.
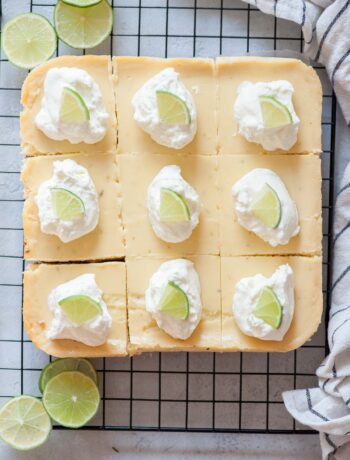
x,y
327,408
326,29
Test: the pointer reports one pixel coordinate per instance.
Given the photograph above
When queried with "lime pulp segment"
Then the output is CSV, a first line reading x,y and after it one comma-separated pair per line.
x,y
29,40
80,309
71,399
66,204
274,113
173,207
24,423
266,206
83,27
73,107
63,365
174,301
82,3
268,308
172,109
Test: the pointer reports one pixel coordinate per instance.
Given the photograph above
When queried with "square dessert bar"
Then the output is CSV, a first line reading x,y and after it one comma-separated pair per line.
x,y
34,141
105,242
307,100
39,280
301,175
308,300
197,75
144,333
136,174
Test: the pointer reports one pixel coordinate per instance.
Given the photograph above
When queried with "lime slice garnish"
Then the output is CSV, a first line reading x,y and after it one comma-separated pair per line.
x,y
172,109
268,308
64,365
173,207
266,206
24,423
80,309
67,205
73,108
274,113
29,40
82,3
174,301
83,27
71,399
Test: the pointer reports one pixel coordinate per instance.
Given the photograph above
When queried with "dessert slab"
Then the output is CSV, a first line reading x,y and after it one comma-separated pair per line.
x,y
40,279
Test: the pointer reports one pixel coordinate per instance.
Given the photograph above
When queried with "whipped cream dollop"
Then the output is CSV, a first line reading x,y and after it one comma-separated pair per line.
x,y
92,333
71,176
48,119
184,275
146,112
246,296
245,190
174,232
247,112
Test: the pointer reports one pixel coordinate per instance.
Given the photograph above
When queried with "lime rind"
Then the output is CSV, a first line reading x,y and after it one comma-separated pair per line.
x,y
266,206
66,204
80,308
31,411
275,114
27,35
73,107
174,301
172,109
173,207
82,3
268,308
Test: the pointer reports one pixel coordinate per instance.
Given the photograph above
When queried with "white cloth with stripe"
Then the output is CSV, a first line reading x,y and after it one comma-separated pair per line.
x,y
327,408
326,26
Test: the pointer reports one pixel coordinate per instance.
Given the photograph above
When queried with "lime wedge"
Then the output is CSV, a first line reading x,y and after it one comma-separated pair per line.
x,y
82,3
24,423
71,399
174,301
275,114
173,207
73,108
172,109
29,40
80,309
63,365
266,206
67,205
83,27
268,308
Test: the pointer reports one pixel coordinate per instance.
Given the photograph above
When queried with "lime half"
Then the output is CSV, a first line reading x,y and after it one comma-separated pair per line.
x,y
268,308
71,399
64,365
173,207
80,309
83,27
174,301
67,205
274,113
172,109
29,40
73,108
82,3
266,206
24,423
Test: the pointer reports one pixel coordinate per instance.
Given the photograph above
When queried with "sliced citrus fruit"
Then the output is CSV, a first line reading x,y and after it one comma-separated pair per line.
x,y
71,399
268,308
80,309
274,113
174,301
82,3
266,206
173,207
83,27
29,40
64,365
172,109
67,205
24,423
73,108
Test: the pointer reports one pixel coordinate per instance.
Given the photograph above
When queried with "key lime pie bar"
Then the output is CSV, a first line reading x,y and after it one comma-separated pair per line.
x,y
76,310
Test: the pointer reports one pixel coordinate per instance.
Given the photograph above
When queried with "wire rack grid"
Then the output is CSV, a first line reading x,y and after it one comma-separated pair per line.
x,y
231,392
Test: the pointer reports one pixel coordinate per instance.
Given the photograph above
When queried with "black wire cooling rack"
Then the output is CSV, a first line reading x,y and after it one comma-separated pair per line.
x,y
233,392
